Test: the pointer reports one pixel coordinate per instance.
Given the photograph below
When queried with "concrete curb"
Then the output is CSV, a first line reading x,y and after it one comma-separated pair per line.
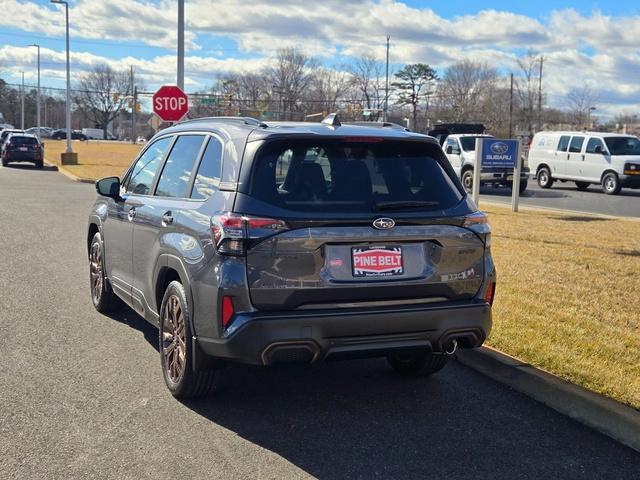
x,y
67,173
618,421
536,208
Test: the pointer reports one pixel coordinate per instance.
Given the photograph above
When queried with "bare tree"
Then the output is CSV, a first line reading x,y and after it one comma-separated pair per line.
x,y
367,76
527,89
465,89
290,77
327,87
581,102
102,94
414,83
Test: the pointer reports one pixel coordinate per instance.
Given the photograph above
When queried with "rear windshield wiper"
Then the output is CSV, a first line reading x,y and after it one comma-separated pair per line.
x,y
400,205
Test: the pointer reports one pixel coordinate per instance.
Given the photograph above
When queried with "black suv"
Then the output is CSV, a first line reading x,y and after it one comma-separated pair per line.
x,y
292,242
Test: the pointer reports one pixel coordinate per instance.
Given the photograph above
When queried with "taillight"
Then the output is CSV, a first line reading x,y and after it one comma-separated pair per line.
x,y
233,233
479,223
227,311
490,293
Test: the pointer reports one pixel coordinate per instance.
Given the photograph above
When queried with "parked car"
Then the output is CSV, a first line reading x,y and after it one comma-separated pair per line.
x,y
22,147
251,242
45,132
461,152
61,134
586,158
97,134
4,135
141,140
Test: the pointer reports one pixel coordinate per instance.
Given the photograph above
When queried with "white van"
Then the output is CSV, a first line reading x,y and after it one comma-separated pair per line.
x,y
608,159
97,134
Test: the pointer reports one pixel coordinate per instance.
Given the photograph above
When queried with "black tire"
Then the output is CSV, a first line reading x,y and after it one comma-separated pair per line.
x,y
582,186
545,180
417,364
4,164
103,298
467,180
611,183
40,165
523,185
176,355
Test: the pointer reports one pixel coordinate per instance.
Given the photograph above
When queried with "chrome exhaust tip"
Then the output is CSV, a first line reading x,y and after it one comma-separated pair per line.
x,y
451,347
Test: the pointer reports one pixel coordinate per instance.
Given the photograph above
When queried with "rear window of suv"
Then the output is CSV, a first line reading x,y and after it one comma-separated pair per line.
x,y
345,176
20,141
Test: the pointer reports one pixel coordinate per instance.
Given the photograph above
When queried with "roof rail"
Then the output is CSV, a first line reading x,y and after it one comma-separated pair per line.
x,y
394,126
331,120
246,120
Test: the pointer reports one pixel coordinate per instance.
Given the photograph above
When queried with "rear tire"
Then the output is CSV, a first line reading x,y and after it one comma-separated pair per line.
x,y
582,186
103,297
544,178
417,364
176,348
39,165
611,184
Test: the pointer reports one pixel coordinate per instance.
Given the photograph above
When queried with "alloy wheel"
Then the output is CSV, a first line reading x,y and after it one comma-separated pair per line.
x,y
95,270
173,341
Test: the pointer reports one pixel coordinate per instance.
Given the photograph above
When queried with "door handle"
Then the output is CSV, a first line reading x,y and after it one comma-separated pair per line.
x,y
583,157
131,214
167,218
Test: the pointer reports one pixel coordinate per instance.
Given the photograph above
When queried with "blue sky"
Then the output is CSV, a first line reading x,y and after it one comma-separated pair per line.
x,y
584,42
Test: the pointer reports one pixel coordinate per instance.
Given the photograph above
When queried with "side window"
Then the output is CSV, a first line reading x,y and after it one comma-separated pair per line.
x,y
576,144
452,145
144,171
593,144
177,170
564,143
208,176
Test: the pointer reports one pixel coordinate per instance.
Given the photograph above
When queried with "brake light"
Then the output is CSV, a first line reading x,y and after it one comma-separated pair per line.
x,y
490,293
479,223
363,139
227,311
232,233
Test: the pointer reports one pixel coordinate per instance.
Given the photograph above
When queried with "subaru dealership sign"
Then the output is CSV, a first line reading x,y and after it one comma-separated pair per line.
x,y
498,153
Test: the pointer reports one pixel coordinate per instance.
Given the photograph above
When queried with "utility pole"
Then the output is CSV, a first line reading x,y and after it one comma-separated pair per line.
x,y
133,107
68,108
540,96
511,108
386,86
38,95
181,44
22,103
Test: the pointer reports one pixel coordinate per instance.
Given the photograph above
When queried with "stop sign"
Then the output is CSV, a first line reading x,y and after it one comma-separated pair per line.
x,y
170,103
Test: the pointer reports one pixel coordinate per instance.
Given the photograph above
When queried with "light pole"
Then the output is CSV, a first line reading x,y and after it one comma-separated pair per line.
x,y
180,44
22,103
591,109
66,10
37,94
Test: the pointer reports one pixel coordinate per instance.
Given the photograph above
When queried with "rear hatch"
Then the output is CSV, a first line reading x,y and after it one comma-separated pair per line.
x,y
356,221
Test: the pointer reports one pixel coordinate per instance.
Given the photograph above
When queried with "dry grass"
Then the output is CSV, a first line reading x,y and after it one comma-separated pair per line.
x,y
96,159
568,297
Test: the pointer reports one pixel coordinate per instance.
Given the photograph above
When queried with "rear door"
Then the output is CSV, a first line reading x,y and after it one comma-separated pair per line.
x,y
363,227
559,161
156,219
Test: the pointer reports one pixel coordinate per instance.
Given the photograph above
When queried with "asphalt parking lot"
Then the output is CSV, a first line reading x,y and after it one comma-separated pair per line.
x,y
565,196
82,394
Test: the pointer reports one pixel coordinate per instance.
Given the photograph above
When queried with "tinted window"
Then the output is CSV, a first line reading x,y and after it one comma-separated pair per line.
x,y
576,144
623,145
468,143
208,176
353,177
144,171
177,170
564,143
592,144
13,140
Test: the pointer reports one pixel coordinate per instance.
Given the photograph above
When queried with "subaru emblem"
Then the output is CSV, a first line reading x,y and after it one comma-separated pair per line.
x,y
499,148
384,223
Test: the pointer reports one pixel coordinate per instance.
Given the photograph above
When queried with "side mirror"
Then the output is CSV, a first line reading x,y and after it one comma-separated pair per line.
x,y
598,149
453,151
109,187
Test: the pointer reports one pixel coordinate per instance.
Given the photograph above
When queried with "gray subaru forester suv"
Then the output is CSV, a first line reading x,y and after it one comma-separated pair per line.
x,y
265,243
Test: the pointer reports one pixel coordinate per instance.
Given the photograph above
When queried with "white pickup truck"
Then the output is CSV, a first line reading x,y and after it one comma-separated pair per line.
x,y
460,149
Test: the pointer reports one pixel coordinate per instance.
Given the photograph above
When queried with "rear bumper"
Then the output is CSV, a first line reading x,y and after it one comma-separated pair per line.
x,y
307,336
